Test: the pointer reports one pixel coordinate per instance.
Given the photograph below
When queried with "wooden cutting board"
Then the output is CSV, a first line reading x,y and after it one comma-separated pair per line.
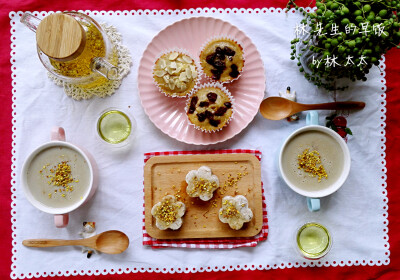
x,y
165,175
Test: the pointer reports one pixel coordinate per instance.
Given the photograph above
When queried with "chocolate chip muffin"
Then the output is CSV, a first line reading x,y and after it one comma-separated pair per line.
x,y
222,60
175,74
210,108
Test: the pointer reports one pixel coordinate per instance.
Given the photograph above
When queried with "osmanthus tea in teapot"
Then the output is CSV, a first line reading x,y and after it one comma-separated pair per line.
x,y
73,47
80,66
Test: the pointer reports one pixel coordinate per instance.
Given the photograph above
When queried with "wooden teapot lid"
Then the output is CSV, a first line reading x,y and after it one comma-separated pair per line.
x,y
60,36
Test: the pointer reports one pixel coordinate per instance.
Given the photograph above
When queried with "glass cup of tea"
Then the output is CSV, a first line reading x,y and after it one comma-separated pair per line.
x,y
313,240
115,126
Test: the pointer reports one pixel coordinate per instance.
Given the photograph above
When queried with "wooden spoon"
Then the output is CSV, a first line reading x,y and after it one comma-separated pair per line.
x,y
109,242
277,108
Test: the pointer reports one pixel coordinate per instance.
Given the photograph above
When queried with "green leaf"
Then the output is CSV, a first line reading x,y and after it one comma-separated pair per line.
x,y
348,131
328,123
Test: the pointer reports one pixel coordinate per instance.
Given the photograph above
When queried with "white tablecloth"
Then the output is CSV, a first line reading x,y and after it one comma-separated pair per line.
x,y
356,215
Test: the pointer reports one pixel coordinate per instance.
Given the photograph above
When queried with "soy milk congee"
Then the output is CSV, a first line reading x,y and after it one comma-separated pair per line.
x,y
328,150
58,177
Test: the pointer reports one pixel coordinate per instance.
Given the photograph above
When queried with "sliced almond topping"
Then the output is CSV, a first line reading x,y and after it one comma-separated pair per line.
x,y
159,73
187,59
166,79
188,73
176,71
163,64
173,55
172,84
170,70
193,70
173,65
183,77
181,85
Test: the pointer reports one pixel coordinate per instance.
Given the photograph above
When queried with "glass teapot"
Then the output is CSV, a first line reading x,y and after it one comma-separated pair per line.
x,y
73,47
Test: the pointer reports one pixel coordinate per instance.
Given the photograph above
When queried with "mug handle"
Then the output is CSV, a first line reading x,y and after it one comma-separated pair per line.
x,y
312,118
313,204
61,220
57,134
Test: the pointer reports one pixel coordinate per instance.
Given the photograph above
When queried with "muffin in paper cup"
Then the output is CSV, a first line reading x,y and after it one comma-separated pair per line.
x,y
210,107
175,73
222,59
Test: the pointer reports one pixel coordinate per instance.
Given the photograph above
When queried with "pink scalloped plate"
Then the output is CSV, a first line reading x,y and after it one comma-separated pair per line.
x,y
168,114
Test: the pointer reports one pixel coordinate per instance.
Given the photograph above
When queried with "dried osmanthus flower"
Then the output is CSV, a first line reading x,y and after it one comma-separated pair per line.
x,y
310,162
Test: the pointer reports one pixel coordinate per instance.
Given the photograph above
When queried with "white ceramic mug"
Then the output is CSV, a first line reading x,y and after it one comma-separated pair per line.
x,y
313,196
61,214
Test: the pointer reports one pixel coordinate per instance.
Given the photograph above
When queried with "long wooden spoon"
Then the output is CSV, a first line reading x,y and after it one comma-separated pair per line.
x,y
109,242
277,108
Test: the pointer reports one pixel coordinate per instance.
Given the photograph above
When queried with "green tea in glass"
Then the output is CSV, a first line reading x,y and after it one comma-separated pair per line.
x,y
313,240
115,127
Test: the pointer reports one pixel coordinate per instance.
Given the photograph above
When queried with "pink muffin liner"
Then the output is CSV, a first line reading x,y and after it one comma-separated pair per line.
x,y
196,64
221,37
205,85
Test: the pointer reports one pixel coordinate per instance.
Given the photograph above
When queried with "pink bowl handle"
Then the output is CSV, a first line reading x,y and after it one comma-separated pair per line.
x,y
61,220
57,134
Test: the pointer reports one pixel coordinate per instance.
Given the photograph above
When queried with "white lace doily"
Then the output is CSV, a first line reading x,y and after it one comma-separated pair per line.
x,y
108,87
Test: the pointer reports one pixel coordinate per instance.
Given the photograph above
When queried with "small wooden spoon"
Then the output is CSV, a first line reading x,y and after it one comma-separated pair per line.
x,y
109,242
277,108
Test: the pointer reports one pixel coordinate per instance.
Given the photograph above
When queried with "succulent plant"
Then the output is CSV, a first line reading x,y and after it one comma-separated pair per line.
x,y
344,39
